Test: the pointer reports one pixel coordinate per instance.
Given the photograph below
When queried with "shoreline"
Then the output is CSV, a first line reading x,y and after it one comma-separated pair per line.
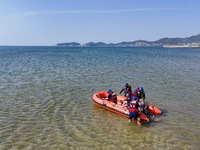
x,y
181,46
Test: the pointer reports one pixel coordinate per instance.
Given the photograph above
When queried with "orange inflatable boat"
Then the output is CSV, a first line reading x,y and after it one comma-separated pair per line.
x,y
99,99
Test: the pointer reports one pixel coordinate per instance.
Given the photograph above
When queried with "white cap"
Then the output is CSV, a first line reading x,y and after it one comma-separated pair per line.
x,y
133,102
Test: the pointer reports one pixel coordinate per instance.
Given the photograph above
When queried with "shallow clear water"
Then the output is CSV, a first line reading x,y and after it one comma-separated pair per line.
x,y
46,97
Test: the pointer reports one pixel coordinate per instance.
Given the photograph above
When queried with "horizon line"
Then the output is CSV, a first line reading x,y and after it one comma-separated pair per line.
x,y
82,43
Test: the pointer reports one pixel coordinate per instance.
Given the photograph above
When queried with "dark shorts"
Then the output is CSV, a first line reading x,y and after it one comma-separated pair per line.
x,y
134,115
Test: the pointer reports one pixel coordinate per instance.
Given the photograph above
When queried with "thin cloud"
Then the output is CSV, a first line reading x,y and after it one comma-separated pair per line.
x,y
55,12
104,11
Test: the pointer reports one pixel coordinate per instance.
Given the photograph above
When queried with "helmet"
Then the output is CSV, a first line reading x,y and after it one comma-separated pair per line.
x,y
134,98
126,84
109,90
141,89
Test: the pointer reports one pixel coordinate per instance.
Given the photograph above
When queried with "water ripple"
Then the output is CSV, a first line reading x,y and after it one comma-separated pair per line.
x,y
46,97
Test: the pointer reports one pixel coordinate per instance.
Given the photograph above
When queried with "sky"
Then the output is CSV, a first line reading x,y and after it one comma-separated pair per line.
x,y
48,22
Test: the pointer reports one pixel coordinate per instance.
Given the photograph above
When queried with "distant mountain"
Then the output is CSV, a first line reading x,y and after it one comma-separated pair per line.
x,y
95,44
165,42
69,44
178,41
195,38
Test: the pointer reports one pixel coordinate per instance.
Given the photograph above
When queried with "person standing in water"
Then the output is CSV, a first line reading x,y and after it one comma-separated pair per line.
x,y
133,113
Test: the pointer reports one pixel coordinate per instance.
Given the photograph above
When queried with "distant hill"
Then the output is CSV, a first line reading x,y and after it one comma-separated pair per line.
x,y
69,44
178,41
95,44
165,42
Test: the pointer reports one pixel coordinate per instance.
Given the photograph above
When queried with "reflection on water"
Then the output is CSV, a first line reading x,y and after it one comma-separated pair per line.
x,y
46,97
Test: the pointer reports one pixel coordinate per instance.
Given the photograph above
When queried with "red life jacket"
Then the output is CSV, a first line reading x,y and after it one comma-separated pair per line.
x,y
135,92
112,98
133,109
111,92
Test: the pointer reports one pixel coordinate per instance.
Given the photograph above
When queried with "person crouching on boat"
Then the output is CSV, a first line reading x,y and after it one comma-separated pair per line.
x,y
125,88
114,96
144,108
140,94
134,98
111,96
127,101
133,113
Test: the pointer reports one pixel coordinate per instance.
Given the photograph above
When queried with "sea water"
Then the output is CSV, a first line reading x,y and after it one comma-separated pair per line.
x,y
46,97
